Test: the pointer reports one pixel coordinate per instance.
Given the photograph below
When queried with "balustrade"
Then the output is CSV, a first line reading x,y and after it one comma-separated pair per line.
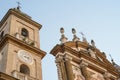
x,y
22,76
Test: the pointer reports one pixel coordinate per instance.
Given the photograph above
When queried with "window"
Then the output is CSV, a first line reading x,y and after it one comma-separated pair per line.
x,y
24,69
24,32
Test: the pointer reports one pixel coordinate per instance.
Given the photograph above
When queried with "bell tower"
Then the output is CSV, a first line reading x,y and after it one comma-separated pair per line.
x,y
20,53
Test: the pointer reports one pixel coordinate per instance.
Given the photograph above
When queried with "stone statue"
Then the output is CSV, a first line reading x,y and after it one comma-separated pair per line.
x,y
93,43
83,37
75,38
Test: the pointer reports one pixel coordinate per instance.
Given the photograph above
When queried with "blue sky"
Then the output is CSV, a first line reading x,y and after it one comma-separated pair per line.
x,y
97,19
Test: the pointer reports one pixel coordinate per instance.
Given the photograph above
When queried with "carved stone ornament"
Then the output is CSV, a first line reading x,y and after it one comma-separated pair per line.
x,y
83,64
84,38
92,53
59,59
77,73
93,43
106,75
96,76
62,30
75,38
67,57
63,39
73,31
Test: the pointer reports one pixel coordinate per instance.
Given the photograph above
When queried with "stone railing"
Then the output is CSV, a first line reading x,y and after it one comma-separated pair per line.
x,y
26,40
22,76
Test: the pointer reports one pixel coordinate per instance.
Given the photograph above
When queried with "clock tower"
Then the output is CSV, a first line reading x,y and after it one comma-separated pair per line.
x,y
20,53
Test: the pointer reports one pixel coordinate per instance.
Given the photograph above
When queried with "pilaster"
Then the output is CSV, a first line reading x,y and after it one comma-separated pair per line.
x,y
83,66
68,67
60,67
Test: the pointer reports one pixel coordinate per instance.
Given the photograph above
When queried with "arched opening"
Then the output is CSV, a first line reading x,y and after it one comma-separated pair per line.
x,y
24,32
24,69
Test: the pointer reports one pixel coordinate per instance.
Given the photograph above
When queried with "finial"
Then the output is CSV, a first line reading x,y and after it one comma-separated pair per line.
x,y
104,54
62,30
112,59
18,7
73,31
93,43
83,37
63,39
75,38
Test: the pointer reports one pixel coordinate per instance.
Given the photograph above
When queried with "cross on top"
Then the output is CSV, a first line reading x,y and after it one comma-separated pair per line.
x,y
18,7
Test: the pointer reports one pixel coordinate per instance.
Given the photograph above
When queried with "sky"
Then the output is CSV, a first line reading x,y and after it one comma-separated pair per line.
x,y
97,19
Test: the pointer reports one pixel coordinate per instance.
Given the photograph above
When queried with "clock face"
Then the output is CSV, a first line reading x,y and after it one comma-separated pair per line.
x,y
25,57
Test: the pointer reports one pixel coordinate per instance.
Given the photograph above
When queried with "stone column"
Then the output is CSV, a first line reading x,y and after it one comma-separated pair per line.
x,y
68,67
60,67
83,66
60,70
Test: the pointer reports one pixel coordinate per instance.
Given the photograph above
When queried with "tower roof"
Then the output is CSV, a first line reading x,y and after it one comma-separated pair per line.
x,y
21,15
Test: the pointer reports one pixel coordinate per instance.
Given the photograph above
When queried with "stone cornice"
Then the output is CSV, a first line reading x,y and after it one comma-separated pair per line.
x,y
105,64
21,16
89,58
72,44
77,44
62,48
67,47
4,76
10,39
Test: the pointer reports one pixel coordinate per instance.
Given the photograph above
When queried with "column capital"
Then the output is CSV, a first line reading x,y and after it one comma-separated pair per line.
x,y
83,63
58,59
68,57
59,54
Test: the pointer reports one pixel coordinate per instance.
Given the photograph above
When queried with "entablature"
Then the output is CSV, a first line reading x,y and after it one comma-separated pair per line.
x,y
13,40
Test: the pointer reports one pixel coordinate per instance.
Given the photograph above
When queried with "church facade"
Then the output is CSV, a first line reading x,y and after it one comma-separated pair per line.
x,y
21,56
79,60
